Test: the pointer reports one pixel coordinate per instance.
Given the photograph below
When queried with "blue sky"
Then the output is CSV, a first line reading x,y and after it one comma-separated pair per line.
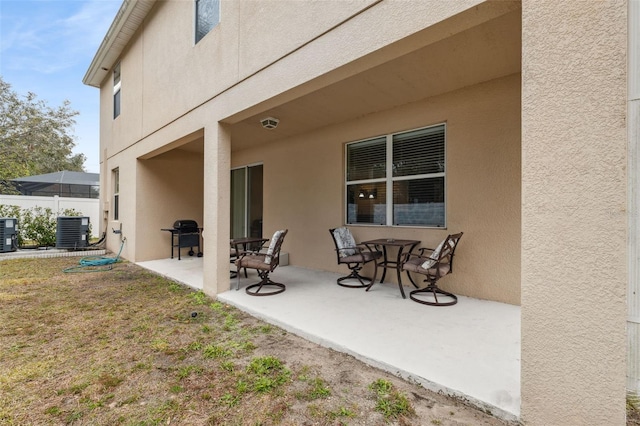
x,y
46,47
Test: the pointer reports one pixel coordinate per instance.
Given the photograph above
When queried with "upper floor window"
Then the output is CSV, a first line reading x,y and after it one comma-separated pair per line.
x,y
207,17
397,179
116,91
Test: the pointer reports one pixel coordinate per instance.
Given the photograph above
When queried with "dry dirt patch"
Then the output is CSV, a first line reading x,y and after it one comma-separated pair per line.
x,y
129,347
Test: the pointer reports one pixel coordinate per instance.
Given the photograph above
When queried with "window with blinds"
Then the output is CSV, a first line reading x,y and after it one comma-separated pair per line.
x,y
397,179
207,17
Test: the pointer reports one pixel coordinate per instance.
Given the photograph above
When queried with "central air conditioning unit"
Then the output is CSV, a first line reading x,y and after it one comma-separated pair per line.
x,y
8,234
72,232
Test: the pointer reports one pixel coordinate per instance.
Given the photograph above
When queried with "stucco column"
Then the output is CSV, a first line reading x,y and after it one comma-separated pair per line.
x,y
217,158
574,223
633,125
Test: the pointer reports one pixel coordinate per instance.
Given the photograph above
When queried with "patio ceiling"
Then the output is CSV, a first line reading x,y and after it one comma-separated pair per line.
x,y
482,53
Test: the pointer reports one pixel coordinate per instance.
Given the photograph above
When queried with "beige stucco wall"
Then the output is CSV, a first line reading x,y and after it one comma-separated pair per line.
x,y
127,211
543,213
573,215
633,195
171,88
165,74
304,186
170,186
258,51
117,134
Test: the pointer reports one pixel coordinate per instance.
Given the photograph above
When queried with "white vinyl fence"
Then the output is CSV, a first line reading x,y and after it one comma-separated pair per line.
x,y
87,206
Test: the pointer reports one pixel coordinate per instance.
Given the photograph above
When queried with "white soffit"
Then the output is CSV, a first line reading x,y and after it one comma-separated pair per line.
x,y
127,21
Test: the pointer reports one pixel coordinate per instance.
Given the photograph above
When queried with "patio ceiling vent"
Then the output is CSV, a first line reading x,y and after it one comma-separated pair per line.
x,y
269,123
8,234
72,232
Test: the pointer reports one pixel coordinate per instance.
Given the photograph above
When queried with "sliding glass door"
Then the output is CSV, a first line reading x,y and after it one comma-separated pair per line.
x,y
246,202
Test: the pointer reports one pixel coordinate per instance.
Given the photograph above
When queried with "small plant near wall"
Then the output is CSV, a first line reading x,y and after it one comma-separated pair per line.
x,y
37,225
391,403
633,408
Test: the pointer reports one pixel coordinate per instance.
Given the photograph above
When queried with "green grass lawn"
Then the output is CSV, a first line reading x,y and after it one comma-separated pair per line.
x,y
129,347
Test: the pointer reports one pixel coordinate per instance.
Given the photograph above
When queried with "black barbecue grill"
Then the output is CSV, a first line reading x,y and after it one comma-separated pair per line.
x,y
185,233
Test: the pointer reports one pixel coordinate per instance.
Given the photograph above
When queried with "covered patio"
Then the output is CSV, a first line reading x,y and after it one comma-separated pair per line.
x,y
463,76
539,172
470,350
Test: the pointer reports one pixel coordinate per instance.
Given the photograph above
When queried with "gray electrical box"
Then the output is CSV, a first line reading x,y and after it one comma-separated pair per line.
x,y
72,232
8,234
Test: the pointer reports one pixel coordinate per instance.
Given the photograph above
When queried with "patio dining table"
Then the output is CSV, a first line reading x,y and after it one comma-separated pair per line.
x,y
387,263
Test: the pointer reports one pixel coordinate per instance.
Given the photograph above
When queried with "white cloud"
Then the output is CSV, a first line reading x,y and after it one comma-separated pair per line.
x,y
56,35
92,21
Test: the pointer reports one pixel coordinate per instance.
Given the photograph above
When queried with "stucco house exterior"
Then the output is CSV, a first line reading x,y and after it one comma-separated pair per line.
x,y
525,113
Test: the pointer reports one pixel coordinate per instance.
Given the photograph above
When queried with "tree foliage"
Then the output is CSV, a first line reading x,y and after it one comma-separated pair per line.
x,y
34,137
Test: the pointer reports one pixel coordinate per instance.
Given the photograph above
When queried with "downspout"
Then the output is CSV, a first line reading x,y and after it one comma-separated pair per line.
x,y
633,176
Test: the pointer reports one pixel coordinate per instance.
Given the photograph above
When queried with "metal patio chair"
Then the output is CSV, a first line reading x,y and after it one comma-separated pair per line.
x,y
241,245
434,266
264,264
355,256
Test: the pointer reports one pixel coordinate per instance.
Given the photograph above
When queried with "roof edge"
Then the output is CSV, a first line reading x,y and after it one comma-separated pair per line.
x,y
100,65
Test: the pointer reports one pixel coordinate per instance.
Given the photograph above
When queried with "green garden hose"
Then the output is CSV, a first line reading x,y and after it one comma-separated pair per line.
x,y
96,263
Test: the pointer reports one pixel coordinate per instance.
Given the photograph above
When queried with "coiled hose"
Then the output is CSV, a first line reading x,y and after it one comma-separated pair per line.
x,y
96,263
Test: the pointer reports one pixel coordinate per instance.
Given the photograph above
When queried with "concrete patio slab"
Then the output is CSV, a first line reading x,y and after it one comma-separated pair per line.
x,y
470,350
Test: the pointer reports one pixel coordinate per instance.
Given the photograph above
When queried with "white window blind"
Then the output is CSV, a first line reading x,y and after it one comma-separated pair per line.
x,y
397,179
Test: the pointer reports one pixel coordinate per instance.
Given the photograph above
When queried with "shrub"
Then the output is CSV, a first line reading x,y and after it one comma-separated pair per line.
x,y
39,225
36,226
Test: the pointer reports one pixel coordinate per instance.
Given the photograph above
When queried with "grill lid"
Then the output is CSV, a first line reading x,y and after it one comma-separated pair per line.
x,y
186,225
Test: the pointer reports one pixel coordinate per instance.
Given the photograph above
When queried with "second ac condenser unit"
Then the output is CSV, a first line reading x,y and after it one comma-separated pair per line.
x,y
8,234
72,232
